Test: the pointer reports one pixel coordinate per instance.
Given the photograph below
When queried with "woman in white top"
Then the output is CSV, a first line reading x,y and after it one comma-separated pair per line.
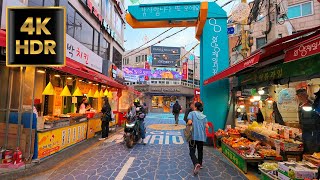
x,y
83,108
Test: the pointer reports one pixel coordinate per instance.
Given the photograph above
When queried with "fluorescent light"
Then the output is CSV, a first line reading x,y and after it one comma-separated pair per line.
x,y
261,92
80,80
238,110
307,108
57,75
241,106
90,82
69,78
41,71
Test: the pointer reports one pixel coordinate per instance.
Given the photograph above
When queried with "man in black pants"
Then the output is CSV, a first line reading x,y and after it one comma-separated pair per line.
x,y
176,111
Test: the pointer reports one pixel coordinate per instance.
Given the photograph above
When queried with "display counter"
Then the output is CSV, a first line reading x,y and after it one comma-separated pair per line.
x,y
239,160
94,125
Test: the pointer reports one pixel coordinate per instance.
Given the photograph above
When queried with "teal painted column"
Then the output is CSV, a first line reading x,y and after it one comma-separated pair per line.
x,y
214,58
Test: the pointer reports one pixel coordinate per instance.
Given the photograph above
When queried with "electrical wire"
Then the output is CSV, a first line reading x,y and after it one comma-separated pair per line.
x,y
157,42
187,52
150,40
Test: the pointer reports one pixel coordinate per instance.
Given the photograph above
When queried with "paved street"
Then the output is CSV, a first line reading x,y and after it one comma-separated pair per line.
x,y
166,156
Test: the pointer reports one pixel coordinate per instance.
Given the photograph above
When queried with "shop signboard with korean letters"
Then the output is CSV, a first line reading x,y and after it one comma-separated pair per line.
x,y
78,52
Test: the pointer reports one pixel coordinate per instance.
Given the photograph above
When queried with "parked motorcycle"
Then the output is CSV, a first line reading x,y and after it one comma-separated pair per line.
x,y
131,130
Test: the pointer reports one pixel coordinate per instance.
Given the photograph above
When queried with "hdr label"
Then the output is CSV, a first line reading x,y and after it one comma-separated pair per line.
x,y
36,36
164,137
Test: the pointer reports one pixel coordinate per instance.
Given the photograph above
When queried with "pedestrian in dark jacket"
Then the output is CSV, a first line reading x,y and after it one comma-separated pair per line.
x,y
190,109
176,111
106,118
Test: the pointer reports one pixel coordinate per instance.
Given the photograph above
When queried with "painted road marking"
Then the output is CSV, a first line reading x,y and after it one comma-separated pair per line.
x,y
164,137
125,168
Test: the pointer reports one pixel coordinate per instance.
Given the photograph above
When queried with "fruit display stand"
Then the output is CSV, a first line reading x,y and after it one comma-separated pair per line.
x,y
239,160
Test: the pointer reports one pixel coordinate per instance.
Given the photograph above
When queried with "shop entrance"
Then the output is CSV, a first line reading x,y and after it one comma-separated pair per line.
x,y
162,103
210,22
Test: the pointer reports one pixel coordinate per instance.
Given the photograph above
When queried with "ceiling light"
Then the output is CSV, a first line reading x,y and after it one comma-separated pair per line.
x,y
57,75
90,82
241,106
41,71
80,80
307,108
261,91
238,110
69,78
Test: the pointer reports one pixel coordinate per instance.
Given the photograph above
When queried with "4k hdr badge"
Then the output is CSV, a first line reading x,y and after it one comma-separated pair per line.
x,y
36,36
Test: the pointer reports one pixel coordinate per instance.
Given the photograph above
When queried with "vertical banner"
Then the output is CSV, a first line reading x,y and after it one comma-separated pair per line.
x,y
214,59
146,65
185,71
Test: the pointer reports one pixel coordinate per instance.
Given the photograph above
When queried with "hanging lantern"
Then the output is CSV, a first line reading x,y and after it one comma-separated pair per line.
x,y
77,92
96,94
241,104
65,91
101,93
90,93
49,90
110,95
106,92
269,100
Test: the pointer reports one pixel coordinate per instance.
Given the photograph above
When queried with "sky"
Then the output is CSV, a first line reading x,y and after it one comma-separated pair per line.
x,y
137,37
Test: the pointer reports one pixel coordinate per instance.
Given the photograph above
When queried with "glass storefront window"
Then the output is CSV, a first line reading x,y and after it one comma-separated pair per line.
x,y
83,31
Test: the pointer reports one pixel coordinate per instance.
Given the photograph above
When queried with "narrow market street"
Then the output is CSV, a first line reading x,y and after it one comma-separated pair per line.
x,y
166,156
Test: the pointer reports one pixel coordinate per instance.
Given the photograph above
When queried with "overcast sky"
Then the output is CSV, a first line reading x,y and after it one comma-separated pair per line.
x,y
136,37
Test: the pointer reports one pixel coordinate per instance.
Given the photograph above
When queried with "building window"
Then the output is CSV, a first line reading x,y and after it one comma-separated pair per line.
x,y
142,58
70,20
146,57
83,31
104,48
42,3
139,58
260,42
136,58
117,58
96,42
300,10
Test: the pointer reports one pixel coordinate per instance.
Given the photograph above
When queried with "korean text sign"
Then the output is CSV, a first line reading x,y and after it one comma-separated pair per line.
x,y
36,36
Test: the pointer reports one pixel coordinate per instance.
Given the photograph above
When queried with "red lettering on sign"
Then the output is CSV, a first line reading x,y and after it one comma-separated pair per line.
x,y
89,4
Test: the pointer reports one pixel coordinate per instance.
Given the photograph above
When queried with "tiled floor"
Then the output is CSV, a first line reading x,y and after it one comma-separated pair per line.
x,y
113,160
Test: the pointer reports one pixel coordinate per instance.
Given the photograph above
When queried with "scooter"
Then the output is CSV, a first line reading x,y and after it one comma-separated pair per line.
x,y
132,130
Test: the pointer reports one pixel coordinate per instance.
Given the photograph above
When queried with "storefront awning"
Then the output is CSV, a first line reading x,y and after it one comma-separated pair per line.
x,y
78,69
2,38
250,61
304,49
270,50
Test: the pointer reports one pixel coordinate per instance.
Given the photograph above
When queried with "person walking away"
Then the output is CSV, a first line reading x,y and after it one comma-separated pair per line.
x,y
176,111
190,109
199,124
309,123
106,118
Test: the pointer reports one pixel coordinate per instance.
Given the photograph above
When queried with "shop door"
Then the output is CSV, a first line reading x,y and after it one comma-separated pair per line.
x,y
166,103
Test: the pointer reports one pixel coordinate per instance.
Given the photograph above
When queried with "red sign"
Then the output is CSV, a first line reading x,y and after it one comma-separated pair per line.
x,y
94,11
250,61
146,65
305,49
185,71
196,95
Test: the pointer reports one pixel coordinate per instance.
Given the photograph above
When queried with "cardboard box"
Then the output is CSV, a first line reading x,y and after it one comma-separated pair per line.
x,y
298,172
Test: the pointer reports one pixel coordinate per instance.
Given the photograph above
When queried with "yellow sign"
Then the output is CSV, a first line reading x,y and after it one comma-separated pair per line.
x,y
55,140
94,125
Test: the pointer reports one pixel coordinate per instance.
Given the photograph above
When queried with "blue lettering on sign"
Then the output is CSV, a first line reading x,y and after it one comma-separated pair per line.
x,y
230,30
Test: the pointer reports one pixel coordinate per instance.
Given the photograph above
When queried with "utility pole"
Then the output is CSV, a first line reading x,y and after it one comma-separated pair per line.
x,y
271,21
244,36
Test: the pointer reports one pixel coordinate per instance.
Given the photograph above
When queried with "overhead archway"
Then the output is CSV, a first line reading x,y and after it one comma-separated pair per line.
x,y
210,22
